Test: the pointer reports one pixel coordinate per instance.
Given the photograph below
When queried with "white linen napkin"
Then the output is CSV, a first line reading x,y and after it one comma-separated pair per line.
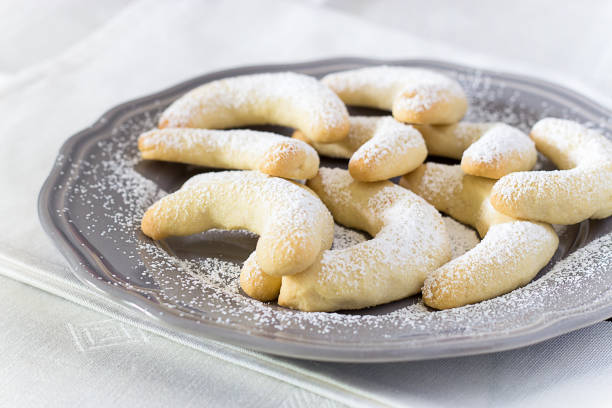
x,y
149,45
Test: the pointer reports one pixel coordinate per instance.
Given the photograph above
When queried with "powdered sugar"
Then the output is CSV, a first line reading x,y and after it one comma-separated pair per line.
x,y
388,137
468,132
281,98
346,237
183,139
558,196
499,257
441,179
462,238
424,87
569,144
409,242
501,142
109,189
335,184
297,216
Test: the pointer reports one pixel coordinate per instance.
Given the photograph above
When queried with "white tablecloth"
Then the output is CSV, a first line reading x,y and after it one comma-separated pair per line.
x,y
65,62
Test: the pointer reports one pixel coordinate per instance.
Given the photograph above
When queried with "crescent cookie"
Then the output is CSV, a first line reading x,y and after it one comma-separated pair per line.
x,y
286,99
379,148
257,284
581,189
489,150
232,149
510,255
413,95
293,224
410,241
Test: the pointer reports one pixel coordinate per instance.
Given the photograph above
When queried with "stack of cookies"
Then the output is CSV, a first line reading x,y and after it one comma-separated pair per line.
x,y
493,189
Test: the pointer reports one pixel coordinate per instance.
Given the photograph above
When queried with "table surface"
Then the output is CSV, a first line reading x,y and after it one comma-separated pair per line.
x,y
64,62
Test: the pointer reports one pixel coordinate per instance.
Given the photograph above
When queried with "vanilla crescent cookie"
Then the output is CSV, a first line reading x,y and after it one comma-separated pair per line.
x,y
510,255
489,150
287,99
257,284
581,189
379,148
410,240
293,224
413,95
232,149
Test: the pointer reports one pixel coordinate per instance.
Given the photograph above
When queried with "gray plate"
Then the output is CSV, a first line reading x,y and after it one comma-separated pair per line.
x,y
91,203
